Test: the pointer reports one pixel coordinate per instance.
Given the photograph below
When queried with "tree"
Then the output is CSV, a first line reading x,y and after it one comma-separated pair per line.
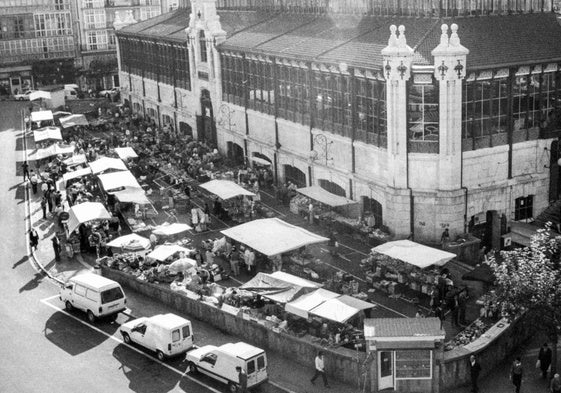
x,y
528,280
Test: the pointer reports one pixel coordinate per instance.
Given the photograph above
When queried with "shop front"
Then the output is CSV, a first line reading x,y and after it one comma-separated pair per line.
x,y
405,353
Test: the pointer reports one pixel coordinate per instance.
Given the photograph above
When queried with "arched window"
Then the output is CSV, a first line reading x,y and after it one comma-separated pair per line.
x,y
202,46
294,175
333,188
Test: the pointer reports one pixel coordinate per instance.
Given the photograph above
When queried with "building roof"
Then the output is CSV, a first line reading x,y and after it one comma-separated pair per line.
x,y
493,41
419,328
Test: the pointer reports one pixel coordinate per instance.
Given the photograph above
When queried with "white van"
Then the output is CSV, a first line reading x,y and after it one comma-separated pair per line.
x,y
97,296
220,363
166,334
70,94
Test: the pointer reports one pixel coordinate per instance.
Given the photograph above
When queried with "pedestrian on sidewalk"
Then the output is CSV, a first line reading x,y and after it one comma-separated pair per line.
x,y
44,206
555,385
25,169
56,247
516,374
440,313
33,239
34,180
474,369
242,380
320,370
235,261
544,358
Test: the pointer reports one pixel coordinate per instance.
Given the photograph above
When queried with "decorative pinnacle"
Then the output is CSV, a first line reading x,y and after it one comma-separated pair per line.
x,y
454,38
392,41
402,42
444,35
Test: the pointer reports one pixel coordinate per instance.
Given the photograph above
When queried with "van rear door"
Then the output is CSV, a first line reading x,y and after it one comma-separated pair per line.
x,y
256,369
112,299
181,339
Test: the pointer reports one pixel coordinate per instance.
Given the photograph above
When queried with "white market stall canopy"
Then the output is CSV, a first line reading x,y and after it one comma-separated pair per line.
x,y
225,189
260,161
46,133
171,229
61,113
104,163
305,303
132,195
414,253
271,236
115,180
279,290
73,120
125,153
85,212
53,150
319,194
340,309
163,252
131,241
39,94
75,174
76,159
41,116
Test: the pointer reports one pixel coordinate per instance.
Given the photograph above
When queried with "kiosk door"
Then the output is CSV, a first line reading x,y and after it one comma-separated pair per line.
x,y
385,370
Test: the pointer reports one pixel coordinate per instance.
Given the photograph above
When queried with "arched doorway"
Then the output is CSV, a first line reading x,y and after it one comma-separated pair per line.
x,y
294,175
206,129
333,188
372,208
185,129
235,153
261,159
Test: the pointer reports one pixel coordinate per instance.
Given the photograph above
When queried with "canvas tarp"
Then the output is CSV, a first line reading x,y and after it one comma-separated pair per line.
x,y
414,253
104,163
271,236
225,189
39,94
53,150
47,133
73,120
125,153
305,303
131,241
340,309
163,252
85,212
275,289
322,196
75,174
132,195
41,116
171,229
76,159
122,179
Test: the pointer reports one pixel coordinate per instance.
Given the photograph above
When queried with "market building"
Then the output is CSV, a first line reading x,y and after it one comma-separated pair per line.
x,y
432,115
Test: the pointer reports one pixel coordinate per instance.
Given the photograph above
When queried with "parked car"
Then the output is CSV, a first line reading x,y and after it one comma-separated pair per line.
x,y
23,96
97,296
110,93
220,363
166,334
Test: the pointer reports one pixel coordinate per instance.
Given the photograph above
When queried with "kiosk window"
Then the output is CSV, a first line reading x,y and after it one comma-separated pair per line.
x,y
413,364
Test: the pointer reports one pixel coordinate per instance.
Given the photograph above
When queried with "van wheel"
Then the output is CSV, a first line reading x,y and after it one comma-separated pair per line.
x,y
91,317
192,368
232,387
68,306
160,355
126,338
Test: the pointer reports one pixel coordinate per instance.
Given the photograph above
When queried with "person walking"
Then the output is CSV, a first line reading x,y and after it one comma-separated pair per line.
x,y
555,385
25,169
34,179
33,239
320,370
242,380
474,370
235,261
516,374
544,358
56,247
44,206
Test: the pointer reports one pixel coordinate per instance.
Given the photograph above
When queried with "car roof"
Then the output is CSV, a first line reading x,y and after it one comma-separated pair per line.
x,y
93,280
168,321
241,350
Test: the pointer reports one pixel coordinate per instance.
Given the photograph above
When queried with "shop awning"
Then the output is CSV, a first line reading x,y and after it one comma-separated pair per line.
x,y
47,133
163,252
77,159
130,242
75,174
85,212
116,180
340,309
39,94
271,236
41,116
125,153
132,195
73,120
275,289
171,229
260,161
302,306
104,163
414,253
319,194
225,189
53,150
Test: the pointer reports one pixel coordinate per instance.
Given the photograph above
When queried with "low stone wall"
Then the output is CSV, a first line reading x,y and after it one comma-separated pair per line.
x,y
341,363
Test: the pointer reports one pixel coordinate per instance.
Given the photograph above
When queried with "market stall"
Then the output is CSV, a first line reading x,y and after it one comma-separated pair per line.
x,y
342,309
37,119
53,150
167,252
76,174
107,163
125,153
39,94
414,254
302,305
75,160
86,212
231,201
47,134
73,120
118,180
131,243
279,288
171,229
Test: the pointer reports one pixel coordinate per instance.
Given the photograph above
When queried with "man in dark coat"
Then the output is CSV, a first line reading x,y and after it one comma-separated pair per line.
x,y
474,370
545,359
242,379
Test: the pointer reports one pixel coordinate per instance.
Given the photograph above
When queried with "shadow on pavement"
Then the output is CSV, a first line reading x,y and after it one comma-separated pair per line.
x,y
70,335
143,373
33,283
21,261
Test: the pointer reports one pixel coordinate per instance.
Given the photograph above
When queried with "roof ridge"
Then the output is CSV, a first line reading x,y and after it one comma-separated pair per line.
x,y
274,15
424,37
283,34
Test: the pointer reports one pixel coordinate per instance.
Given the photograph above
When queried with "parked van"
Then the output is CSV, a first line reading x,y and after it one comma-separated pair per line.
x,y
166,334
97,296
220,363
71,91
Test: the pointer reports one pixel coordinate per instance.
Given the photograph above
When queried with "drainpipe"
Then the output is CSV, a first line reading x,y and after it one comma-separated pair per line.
x,y
465,190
